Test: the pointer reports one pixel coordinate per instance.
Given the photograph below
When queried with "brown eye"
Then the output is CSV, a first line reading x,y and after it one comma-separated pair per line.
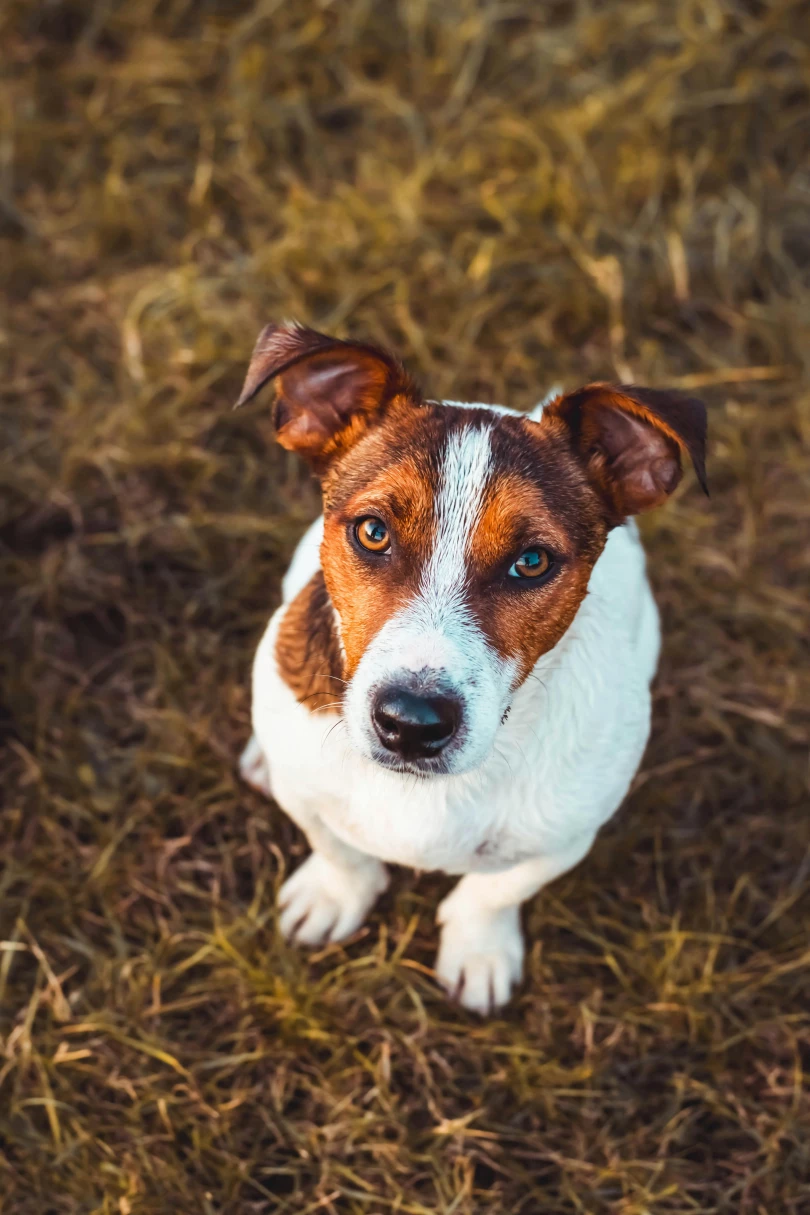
x,y
532,564
372,534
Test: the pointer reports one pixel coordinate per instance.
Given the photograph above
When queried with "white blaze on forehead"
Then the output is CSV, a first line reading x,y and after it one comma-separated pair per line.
x,y
464,474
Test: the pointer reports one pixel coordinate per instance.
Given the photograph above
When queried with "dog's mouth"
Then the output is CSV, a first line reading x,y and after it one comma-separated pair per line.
x,y
424,767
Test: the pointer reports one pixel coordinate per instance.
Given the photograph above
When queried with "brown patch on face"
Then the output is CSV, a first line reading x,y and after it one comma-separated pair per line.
x,y
537,497
388,476
308,650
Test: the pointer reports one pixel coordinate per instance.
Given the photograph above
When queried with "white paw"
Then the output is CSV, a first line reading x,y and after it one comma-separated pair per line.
x,y
480,955
321,902
253,767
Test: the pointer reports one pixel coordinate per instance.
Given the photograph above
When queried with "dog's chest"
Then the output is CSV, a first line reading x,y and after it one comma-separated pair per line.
x,y
424,824
552,774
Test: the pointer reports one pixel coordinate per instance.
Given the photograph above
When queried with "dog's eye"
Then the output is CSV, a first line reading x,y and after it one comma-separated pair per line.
x,y
372,534
532,564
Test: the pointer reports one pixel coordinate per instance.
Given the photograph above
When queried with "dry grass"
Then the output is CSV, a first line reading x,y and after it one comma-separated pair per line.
x,y
506,193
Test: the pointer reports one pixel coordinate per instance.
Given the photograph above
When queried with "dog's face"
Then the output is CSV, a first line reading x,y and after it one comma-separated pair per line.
x,y
458,542
451,570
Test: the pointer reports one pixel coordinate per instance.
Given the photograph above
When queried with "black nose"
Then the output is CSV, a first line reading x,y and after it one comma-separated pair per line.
x,y
412,726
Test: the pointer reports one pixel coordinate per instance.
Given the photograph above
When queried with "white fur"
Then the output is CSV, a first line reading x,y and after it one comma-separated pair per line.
x,y
465,472
550,776
535,414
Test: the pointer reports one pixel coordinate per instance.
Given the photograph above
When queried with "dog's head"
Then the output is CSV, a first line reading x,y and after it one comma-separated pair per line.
x,y
458,542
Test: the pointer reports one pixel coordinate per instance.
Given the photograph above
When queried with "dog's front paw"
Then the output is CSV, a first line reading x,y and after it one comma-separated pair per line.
x,y
480,955
322,902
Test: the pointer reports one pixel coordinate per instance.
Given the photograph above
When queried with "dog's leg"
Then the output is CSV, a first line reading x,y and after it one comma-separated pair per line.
x,y
481,950
253,767
330,895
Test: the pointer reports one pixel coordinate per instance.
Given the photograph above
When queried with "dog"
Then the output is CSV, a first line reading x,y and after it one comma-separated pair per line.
x,y
458,677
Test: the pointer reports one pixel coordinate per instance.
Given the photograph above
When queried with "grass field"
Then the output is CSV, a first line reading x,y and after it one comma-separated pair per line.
x,y
508,194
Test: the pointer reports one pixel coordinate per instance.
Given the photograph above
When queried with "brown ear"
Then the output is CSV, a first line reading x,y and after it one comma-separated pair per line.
x,y
327,389
631,441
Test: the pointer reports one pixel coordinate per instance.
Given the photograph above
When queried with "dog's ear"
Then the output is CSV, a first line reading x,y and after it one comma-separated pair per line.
x,y
630,440
327,389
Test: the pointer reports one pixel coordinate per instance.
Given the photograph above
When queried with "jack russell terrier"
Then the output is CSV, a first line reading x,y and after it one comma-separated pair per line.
x,y
458,677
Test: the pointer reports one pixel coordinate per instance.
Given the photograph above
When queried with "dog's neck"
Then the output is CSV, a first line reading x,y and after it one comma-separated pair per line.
x,y
308,649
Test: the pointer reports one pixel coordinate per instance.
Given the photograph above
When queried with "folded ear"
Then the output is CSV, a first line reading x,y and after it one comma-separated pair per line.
x,y
327,389
630,440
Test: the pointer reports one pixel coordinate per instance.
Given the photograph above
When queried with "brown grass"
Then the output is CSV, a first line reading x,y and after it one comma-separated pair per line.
x,y
506,193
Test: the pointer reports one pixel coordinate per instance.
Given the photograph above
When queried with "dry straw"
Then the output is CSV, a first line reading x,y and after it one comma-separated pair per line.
x,y
508,194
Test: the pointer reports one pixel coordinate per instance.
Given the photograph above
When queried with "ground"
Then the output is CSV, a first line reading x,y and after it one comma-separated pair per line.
x,y
508,194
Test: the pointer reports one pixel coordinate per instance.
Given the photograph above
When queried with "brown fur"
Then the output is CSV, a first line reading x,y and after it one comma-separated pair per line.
x,y
327,390
524,621
308,650
631,440
384,476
